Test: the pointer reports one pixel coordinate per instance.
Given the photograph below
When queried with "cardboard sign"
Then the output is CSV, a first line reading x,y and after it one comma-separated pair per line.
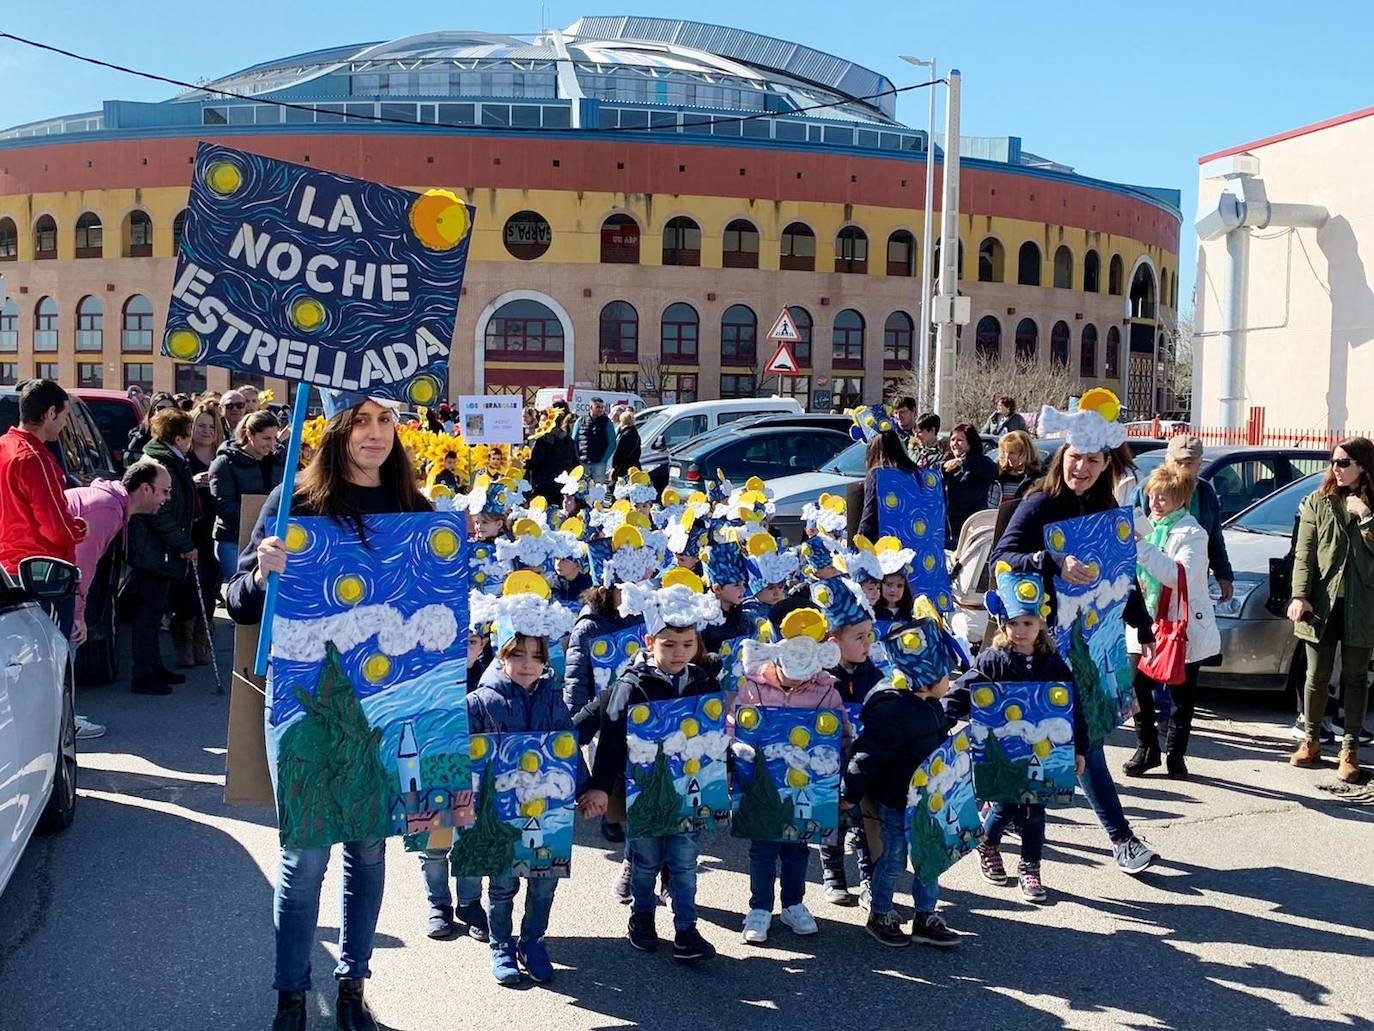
x,y
787,774
911,507
492,419
943,821
1022,736
314,277
675,766
246,777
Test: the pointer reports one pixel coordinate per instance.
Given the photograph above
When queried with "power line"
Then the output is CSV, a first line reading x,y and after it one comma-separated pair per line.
x,y
231,95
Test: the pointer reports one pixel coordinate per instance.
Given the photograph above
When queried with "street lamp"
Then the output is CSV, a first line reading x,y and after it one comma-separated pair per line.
x,y
927,241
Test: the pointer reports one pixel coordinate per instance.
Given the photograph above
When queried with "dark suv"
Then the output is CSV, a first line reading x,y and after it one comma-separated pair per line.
x,y
765,451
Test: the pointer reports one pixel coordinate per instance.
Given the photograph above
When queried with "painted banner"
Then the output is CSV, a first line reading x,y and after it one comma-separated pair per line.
x,y
611,653
1022,737
496,419
1090,620
290,271
526,788
943,822
911,507
369,679
675,772
793,793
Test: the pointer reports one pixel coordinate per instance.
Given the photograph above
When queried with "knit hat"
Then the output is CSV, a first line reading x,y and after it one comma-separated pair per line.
x,y
802,651
871,420
1092,427
766,564
1017,594
522,607
724,564
681,601
842,602
828,515
817,552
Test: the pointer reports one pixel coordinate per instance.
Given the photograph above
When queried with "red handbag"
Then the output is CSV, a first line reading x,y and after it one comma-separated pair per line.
x,y
1166,666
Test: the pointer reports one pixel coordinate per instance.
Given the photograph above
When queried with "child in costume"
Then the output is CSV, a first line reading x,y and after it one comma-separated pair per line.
x,y
488,503
788,673
860,563
727,576
770,570
568,555
819,555
674,615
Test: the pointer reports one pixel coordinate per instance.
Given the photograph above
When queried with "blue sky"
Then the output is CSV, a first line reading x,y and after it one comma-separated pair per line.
x,y
1133,93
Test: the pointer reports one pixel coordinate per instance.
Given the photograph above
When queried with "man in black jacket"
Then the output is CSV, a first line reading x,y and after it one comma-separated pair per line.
x,y
594,439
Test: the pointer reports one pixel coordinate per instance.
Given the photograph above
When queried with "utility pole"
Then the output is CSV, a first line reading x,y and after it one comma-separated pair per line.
x,y
927,244
949,312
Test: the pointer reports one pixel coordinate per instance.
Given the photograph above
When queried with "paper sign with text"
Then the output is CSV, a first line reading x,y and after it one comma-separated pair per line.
x,y
492,419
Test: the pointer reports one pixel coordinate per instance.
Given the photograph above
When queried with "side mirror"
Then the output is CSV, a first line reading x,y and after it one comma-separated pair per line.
x,y
48,579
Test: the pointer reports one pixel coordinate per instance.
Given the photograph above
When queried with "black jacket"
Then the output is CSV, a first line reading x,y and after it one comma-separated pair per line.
x,y
1004,666
157,541
900,730
551,454
967,490
234,473
640,683
626,454
737,623
579,685
593,439
569,590
855,684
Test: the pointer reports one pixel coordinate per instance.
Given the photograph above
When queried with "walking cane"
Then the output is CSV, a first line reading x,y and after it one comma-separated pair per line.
x,y
209,627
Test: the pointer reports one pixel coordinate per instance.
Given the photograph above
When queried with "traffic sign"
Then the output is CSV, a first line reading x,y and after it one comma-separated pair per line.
x,y
783,362
785,328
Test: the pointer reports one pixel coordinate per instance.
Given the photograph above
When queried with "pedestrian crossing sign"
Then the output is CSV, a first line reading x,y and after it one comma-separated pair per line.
x,y
785,328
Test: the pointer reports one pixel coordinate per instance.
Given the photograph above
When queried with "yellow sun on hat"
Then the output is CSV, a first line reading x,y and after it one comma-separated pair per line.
x,y
806,622
526,581
1102,401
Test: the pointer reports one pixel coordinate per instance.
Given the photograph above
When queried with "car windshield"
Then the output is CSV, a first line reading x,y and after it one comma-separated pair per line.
x,y
1276,513
649,428
1147,463
849,462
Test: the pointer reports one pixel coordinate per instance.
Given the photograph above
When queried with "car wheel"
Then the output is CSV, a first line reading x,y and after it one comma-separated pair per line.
x,y
61,807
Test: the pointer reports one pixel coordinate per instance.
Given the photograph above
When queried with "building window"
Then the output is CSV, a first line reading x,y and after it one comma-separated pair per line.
x,y
45,237
619,334
90,236
1164,286
139,374
682,242
527,235
45,322
851,250
898,333
796,386
847,391
47,370
1092,273
1087,357
937,269
1111,366
740,245
1115,274
1059,344
90,375
737,384
797,252
992,261
620,241
524,331
138,235
9,327
1028,265
90,324
178,230
1143,293
739,329
1063,269
679,387
190,379
679,331
136,335
1027,340
901,254
9,240
801,349
847,340
9,374
987,339
618,382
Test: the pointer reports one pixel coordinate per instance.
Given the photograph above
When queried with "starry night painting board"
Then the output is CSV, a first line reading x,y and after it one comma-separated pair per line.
x,y
1022,736
942,818
786,784
675,772
369,679
526,786
912,509
1090,620
611,653
296,272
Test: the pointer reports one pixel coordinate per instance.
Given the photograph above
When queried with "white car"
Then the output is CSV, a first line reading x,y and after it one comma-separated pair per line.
x,y
792,493
37,710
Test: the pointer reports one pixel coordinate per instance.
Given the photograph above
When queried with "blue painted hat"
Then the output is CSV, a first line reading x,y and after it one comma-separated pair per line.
x,y
1017,594
919,653
818,551
871,420
841,602
724,564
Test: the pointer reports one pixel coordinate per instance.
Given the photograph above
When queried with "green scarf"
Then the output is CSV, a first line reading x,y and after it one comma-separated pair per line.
x,y
1158,536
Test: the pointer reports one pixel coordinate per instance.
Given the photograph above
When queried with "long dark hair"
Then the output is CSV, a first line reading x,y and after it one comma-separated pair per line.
x,y
885,451
1101,495
320,486
1361,450
975,441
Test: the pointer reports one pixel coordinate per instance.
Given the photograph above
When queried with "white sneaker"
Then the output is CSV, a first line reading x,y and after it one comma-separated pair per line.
x,y
85,729
756,926
1133,855
799,919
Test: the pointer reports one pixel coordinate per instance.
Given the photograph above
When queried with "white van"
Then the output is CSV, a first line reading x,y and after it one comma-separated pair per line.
x,y
579,399
668,426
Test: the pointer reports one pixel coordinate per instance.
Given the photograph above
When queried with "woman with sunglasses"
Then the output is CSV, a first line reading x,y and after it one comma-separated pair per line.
x,y
142,433
1333,598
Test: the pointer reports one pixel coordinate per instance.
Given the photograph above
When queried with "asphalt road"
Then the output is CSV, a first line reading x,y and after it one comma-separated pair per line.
x,y
154,912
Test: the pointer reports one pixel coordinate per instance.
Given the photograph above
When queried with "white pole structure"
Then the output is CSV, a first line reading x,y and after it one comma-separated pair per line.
x,y
927,244
946,338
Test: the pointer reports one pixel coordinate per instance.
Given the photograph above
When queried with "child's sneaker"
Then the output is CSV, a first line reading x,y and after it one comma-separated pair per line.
x,y
441,926
838,895
534,957
503,965
621,887
990,863
799,919
688,944
930,929
1028,878
472,914
886,928
756,926
1133,855
866,896
643,936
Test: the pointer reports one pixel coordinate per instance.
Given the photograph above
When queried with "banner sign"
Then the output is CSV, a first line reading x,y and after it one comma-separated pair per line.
x,y
492,419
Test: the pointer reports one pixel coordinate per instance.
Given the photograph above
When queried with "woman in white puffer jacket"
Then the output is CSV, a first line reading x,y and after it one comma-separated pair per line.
x,y
1171,538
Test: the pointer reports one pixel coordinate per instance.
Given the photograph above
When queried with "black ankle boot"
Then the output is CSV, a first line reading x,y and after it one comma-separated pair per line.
x,y
351,1012
1178,748
1146,755
291,1012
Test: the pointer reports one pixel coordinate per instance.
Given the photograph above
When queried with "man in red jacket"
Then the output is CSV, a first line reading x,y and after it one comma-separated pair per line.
x,y
34,519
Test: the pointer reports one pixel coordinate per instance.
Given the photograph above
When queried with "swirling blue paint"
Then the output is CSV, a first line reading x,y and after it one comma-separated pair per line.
x,y
555,824
614,651
1034,702
822,790
667,718
912,509
957,817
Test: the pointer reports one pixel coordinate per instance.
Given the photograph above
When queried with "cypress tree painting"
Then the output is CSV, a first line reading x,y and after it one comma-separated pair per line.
x,y
762,814
487,848
687,738
657,808
1099,709
997,779
942,816
929,854
787,773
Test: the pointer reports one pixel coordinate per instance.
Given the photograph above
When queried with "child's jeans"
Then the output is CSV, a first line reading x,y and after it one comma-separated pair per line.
x,y
763,867
501,892
892,864
832,858
648,856
434,865
1001,815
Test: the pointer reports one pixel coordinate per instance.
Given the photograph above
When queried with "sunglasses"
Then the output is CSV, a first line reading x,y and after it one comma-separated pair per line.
x,y
1342,463
237,404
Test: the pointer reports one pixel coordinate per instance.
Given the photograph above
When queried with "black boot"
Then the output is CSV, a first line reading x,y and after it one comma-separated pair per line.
x,y
167,676
291,1012
351,1012
1146,755
1178,747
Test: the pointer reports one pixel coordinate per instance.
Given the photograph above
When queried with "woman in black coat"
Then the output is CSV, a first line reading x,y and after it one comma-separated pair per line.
x,y
970,480
627,447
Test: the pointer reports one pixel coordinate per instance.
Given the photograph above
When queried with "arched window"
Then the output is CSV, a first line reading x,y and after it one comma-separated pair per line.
x,y
45,237
45,321
90,236
740,245
136,325
898,333
901,254
138,235
1111,366
847,340
1087,358
1092,273
1027,340
9,240
798,249
801,349
90,324
1164,286
682,242
851,250
937,268
524,331
992,261
9,327
619,334
1063,269
619,240
987,340
1059,344
739,329
1028,265
1143,293
178,230
679,331
1115,274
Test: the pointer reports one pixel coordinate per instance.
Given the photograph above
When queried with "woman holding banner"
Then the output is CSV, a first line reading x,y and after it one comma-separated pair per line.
x,y
360,469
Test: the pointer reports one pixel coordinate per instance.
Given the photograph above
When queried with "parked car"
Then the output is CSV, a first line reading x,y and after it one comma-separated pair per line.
x,y
37,699
794,492
115,414
1243,475
666,427
763,450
